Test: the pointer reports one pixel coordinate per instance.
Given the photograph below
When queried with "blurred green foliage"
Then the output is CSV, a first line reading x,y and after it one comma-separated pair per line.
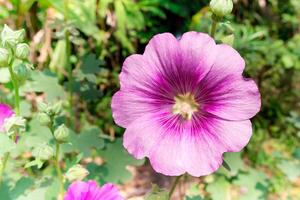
x,y
103,33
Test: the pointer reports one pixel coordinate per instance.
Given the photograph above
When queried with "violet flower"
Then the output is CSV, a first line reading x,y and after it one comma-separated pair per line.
x,y
80,190
5,112
184,103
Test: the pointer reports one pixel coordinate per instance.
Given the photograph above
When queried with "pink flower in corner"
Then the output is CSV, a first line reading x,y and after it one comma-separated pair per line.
x,y
5,112
184,103
80,190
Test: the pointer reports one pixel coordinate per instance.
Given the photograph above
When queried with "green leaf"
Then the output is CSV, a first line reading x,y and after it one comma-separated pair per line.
x,y
47,83
7,145
193,193
219,189
116,160
235,162
84,142
252,185
36,162
157,194
4,192
290,168
21,186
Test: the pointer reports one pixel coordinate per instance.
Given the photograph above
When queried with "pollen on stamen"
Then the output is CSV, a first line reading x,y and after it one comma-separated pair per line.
x,y
185,105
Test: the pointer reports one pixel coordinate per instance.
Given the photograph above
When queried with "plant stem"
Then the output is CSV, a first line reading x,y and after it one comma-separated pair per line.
x,y
17,110
58,170
16,88
213,27
68,63
6,157
174,186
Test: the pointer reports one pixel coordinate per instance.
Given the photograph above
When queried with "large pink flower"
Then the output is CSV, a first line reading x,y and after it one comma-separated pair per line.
x,y
184,103
5,112
91,191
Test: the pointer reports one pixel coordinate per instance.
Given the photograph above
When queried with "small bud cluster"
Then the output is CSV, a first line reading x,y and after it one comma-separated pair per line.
x,y
46,116
14,52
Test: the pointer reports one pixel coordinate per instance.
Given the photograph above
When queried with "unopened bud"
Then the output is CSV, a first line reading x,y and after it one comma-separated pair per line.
x,y
43,118
11,38
21,71
4,57
76,173
22,51
221,7
61,133
42,107
56,108
43,152
14,124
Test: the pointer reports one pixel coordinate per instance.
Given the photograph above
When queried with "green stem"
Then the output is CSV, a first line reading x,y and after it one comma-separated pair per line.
x,y
213,27
17,110
56,159
6,157
68,63
16,88
58,170
174,186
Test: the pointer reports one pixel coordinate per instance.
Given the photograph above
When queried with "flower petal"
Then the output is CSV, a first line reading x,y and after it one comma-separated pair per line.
x,y
198,52
77,190
224,92
197,151
5,112
129,105
109,192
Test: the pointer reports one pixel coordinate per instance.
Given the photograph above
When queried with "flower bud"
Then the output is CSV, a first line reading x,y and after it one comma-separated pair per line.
x,y
43,152
42,107
61,133
11,38
14,124
4,57
43,118
56,108
21,71
76,173
221,7
22,51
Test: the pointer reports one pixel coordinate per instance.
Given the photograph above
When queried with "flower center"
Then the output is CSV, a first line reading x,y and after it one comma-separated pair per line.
x,y
185,105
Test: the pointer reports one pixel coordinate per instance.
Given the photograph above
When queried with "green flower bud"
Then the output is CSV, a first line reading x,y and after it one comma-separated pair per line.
x,y
4,57
14,124
43,152
22,51
42,107
61,133
56,108
11,38
19,35
76,173
221,7
21,71
44,119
